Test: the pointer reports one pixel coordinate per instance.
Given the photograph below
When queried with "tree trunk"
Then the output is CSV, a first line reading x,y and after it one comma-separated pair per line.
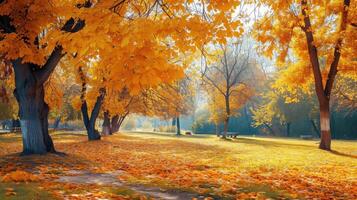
x,y
33,111
228,113
217,129
107,129
89,123
115,124
178,127
325,142
173,121
56,123
288,129
315,128
270,129
225,130
324,93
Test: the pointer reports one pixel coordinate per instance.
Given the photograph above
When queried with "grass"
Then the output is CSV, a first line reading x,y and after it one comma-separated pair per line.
x,y
24,191
243,168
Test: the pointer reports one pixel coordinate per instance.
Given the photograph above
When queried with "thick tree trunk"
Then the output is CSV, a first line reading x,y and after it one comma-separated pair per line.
x,y
178,127
33,111
107,129
325,142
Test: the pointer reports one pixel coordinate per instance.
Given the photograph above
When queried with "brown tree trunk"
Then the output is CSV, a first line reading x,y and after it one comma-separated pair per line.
x,y
178,126
325,142
323,93
106,128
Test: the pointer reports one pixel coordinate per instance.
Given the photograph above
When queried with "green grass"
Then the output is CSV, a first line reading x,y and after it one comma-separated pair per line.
x,y
24,191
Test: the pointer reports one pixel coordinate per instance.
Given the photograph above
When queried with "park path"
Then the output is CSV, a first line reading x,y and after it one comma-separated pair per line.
x,y
110,179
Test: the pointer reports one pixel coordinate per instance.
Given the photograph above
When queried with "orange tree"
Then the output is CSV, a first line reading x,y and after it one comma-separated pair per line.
x,y
132,37
313,40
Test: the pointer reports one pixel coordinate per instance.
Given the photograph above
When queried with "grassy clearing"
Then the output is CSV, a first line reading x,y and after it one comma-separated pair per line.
x,y
243,168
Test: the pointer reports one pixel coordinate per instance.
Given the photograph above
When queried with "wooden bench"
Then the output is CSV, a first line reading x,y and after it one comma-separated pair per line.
x,y
231,134
188,133
306,137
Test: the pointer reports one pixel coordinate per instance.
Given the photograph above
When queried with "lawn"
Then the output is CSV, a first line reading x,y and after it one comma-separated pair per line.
x,y
203,166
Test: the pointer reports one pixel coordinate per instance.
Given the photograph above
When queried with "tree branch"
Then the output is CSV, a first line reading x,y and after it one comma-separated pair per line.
x,y
337,52
44,73
312,53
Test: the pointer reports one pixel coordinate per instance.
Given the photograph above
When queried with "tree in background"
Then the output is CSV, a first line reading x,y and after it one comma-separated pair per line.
x,y
319,37
274,110
227,82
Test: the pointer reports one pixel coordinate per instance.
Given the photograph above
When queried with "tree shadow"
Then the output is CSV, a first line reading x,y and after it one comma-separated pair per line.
x,y
343,154
14,161
266,143
172,135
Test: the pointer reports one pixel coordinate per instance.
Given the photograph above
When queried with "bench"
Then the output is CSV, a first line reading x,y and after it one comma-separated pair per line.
x,y
231,134
188,133
306,137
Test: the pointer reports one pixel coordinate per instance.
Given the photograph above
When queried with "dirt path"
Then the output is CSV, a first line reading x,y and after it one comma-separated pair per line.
x,y
110,179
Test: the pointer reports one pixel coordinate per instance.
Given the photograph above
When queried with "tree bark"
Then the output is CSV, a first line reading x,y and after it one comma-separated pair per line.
x,y
33,110
106,128
117,121
89,122
325,142
178,127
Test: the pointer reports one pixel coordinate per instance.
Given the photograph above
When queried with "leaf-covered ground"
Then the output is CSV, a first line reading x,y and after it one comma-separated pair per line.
x,y
243,168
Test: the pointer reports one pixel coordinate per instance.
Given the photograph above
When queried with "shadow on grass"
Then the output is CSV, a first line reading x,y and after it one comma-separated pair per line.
x,y
14,161
266,143
343,154
172,135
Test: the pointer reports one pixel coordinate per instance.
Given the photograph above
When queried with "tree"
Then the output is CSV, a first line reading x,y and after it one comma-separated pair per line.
x,y
36,35
320,39
227,86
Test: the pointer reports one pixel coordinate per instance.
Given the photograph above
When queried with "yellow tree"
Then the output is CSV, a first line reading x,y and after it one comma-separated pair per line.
x,y
319,37
36,35
227,81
